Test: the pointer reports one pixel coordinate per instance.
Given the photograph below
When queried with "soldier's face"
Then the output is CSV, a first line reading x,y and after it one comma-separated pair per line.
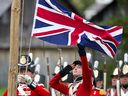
x,y
99,84
23,72
124,80
77,71
114,79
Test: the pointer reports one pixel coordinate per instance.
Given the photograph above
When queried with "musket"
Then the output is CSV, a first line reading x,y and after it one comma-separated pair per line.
x,y
48,73
118,81
105,75
120,62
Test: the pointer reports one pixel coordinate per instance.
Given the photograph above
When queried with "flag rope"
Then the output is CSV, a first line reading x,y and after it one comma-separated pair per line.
x,y
21,27
21,30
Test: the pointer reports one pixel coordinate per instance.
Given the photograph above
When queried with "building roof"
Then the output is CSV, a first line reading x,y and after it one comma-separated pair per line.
x,y
4,6
96,8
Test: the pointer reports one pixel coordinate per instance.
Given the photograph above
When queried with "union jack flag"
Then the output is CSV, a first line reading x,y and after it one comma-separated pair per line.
x,y
56,24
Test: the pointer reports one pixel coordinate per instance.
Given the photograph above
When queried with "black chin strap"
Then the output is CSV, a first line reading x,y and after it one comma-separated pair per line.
x,y
114,87
78,79
125,86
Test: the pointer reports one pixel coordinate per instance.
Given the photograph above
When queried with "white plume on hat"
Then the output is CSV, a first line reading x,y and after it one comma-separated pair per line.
x,y
96,64
125,69
36,61
37,69
120,63
126,57
125,66
116,71
96,72
89,56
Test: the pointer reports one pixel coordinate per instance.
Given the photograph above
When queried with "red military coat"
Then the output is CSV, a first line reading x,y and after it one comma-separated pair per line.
x,y
24,89
83,88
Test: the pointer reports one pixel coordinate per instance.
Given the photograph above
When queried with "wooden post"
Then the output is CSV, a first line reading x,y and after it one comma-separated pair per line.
x,y
14,47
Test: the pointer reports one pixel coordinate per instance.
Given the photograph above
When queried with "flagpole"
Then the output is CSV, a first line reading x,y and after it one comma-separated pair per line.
x,y
14,47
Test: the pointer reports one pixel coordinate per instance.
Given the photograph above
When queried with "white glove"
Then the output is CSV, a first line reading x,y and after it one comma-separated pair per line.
x,y
28,79
37,78
24,79
31,84
20,79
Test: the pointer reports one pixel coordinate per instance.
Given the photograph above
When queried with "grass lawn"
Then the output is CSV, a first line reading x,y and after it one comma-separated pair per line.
x,y
2,91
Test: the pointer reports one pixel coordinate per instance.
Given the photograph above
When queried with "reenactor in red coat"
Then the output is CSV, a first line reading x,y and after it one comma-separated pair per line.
x,y
82,86
114,77
28,80
124,77
98,81
124,81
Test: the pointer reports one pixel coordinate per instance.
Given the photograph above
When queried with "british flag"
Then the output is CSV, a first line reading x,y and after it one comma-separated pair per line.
x,y
56,24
